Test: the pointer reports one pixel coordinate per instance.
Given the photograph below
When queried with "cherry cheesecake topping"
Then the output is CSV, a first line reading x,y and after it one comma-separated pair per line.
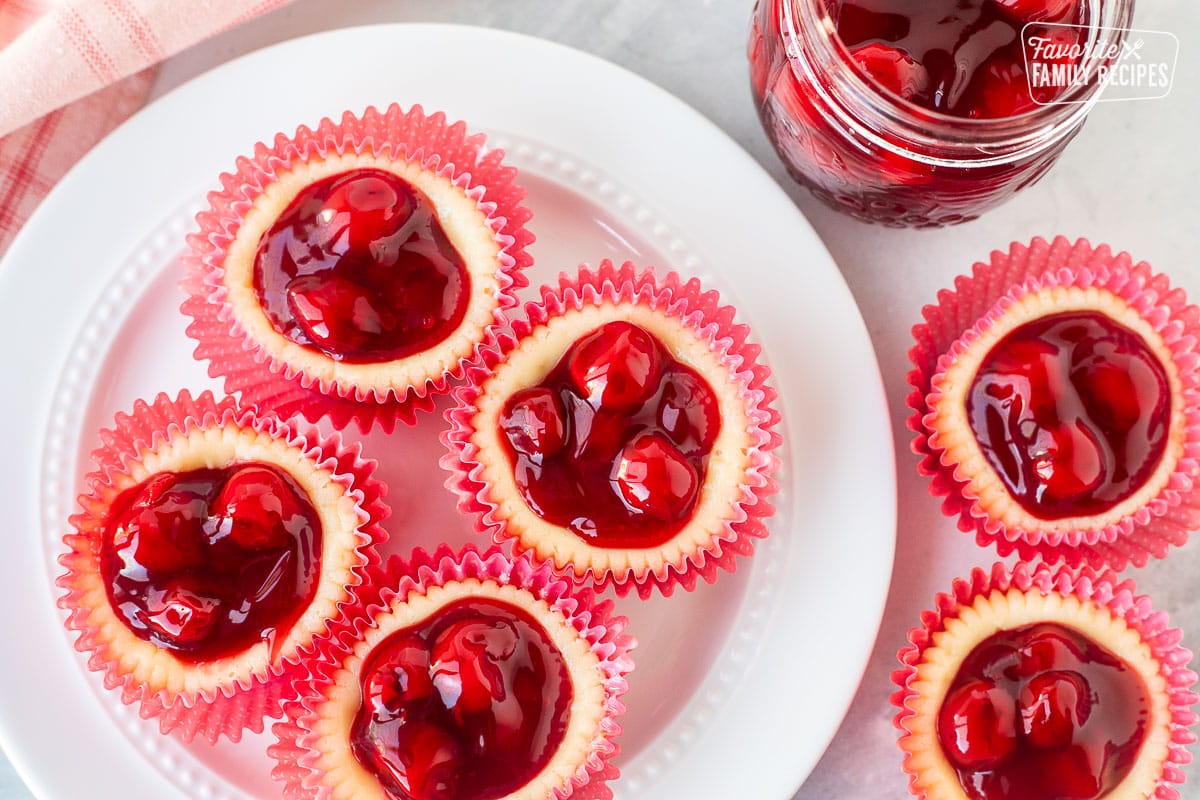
x,y
1042,713
1072,411
358,267
614,443
470,704
209,562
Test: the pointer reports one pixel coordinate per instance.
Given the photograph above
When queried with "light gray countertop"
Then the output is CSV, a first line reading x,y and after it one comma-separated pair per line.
x,y
1130,179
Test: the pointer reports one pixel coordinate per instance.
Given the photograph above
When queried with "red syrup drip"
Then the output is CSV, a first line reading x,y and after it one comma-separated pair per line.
x,y
613,444
359,268
959,57
209,562
1042,713
1072,411
470,704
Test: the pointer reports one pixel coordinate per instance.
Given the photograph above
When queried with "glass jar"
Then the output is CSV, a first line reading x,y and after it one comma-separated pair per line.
x,y
883,159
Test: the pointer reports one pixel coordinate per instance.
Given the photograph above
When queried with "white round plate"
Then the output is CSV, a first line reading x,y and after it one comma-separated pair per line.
x,y
739,685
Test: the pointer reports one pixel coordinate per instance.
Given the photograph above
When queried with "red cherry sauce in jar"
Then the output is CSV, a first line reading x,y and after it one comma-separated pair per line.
x,y
918,113
1072,411
613,444
359,268
960,57
210,562
470,704
1042,713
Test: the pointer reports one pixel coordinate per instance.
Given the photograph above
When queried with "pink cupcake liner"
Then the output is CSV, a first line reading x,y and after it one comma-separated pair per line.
x,y
294,753
264,380
242,704
974,304
1103,589
702,312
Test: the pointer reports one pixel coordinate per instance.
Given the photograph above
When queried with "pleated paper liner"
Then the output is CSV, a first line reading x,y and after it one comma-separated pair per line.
x,y
1075,594
276,374
225,695
313,754
1040,274
736,506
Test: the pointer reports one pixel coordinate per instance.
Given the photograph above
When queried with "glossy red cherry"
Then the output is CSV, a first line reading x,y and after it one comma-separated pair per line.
x,y
533,422
596,435
1053,706
159,532
338,313
616,366
1024,11
464,664
1043,650
688,412
654,478
403,677
181,614
427,762
1066,460
257,509
1002,90
892,69
1120,390
978,725
152,493
365,209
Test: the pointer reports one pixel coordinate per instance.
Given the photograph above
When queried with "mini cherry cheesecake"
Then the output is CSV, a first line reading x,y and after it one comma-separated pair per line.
x,y
462,677
625,433
1042,685
1055,405
212,551
353,271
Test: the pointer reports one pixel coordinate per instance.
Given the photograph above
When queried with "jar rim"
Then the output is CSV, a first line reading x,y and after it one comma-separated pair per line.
x,y
919,133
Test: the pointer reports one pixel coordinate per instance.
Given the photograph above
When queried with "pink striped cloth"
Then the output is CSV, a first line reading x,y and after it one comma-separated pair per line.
x,y
72,70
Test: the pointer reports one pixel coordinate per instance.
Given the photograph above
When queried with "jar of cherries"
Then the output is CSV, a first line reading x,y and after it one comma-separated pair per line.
x,y
921,112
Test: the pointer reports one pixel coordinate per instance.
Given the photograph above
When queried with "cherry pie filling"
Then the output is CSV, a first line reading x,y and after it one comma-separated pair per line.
x,y
1072,411
964,58
208,562
614,443
470,704
1042,713
359,268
